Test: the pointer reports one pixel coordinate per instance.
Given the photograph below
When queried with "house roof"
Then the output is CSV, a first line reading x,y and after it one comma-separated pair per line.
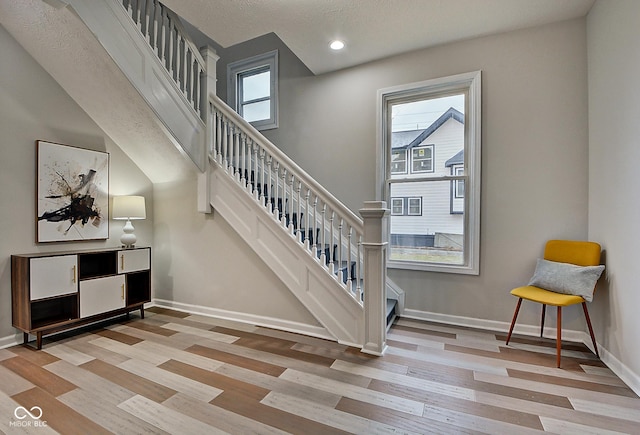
x,y
412,138
458,159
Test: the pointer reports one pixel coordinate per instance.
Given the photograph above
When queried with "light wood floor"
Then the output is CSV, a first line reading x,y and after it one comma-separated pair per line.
x,y
184,374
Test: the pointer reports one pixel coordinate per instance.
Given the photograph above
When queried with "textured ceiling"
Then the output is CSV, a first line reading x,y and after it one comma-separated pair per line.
x,y
372,29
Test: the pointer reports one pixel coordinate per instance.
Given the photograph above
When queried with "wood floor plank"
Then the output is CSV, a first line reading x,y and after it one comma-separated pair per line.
x,y
558,413
90,403
12,383
57,415
248,363
47,381
137,384
328,415
176,382
215,380
118,336
218,417
166,419
467,406
607,409
239,404
565,427
110,392
347,390
151,325
211,335
68,353
167,312
131,352
401,420
31,354
279,385
409,381
567,382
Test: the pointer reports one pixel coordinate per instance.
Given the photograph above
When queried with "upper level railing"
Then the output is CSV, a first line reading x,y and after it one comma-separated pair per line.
x,y
163,30
327,229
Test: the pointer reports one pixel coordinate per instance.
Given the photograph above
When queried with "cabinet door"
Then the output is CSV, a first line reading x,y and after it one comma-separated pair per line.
x,y
133,260
53,276
101,295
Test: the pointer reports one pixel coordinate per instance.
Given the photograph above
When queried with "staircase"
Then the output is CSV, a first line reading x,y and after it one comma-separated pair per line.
x,y
332,260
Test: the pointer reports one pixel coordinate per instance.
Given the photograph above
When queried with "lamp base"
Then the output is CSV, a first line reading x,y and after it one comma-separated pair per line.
x,y
128,239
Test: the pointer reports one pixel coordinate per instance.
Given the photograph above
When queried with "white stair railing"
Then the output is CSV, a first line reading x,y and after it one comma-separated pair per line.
x,y
163,31
328,230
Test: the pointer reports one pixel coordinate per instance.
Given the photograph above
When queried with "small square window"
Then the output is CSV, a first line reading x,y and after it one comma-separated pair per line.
x,y
397,206
422,159
415,206
253,89
399,161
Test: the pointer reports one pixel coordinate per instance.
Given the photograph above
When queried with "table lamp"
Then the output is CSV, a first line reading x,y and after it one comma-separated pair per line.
x,y
129,208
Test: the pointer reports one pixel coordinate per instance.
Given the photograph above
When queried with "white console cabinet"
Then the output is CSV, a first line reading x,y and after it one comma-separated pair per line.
x,y
53,292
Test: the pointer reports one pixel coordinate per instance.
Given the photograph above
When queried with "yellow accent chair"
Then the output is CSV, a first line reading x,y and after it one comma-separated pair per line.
x,y
580,256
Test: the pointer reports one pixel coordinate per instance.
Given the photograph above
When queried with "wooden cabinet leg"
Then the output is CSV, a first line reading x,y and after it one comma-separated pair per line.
x,y
142,311
25,337
39,340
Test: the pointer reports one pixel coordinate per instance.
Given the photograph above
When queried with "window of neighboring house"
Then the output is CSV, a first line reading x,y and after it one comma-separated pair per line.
x,y
399,161
397,206
422,159
415,207
441,191
458,184
253,89
406,206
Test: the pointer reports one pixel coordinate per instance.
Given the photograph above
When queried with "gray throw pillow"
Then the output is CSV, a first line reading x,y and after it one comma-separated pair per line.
x,y
566,278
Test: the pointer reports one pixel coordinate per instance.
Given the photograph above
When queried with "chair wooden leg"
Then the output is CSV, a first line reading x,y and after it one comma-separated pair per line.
x,y
593,338
513,322
544,310
559,336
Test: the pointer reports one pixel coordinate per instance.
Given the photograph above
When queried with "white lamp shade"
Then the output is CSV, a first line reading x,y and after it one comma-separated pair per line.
x,y
129,207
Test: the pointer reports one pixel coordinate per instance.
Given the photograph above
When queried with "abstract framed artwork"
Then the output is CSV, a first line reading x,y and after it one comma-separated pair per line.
x,y
72,193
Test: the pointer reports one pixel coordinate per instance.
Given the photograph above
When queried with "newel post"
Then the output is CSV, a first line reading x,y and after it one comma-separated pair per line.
x,y
375,216
208,79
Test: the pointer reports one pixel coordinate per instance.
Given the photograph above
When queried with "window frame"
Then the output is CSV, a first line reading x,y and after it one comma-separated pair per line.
x,y
393,207
413,198
431,159
405,161
246,68
471,85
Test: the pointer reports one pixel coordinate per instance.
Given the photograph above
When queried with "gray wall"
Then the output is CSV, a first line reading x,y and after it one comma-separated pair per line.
x,y
34,107
614,153
535,159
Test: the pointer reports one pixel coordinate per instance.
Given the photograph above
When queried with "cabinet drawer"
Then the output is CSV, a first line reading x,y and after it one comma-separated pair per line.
x,y
53,276
134,260
101,295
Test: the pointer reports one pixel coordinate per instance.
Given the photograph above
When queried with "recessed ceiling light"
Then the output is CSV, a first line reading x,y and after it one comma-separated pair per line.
x,y
336,45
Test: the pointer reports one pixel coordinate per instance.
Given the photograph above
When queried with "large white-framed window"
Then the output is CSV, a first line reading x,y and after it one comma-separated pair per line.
x,y
252,89
445,114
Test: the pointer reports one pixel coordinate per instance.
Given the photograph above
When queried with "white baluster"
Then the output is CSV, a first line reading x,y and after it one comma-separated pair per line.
x,y
323,233
307,226
284,200
298,215
331,242
349,248
340,263
359,288
315,225
256,171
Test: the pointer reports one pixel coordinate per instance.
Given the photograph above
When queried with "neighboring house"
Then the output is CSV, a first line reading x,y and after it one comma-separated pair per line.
x,y
428,214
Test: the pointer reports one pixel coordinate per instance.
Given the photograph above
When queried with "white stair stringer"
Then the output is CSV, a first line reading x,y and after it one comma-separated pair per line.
x,y
302,273
117,33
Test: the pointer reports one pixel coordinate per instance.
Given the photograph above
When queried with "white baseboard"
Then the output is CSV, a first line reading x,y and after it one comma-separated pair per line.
x,y
252,319
10,340
623,372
